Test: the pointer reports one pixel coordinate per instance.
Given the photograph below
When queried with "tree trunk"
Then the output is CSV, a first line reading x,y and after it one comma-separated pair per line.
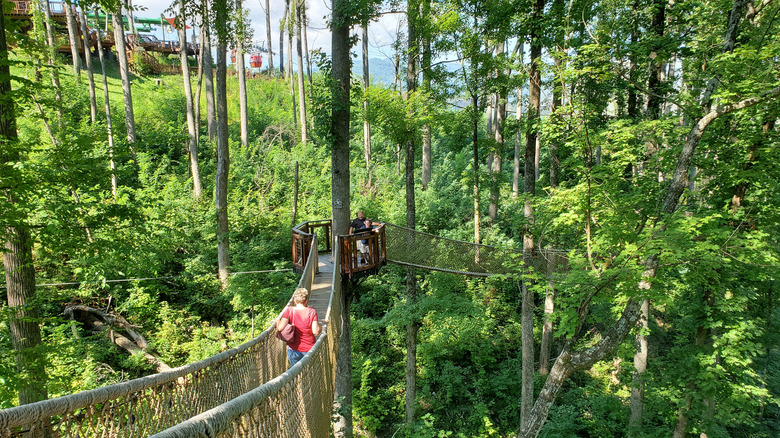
x,y
73,38
295,194
475,146
654,85
88,63
109,128
208,73
288,74
413,16
301,68
498,153
366,124
128,4
340,204
17,257
51,54
268,33
223,149
282,25
124,72
557,100
191,131
199,83
527,320
518,135
241,70
305,25
425,177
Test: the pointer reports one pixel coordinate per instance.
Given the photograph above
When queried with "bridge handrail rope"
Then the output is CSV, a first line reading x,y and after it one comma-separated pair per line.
x,y
144,406
409,247
297,403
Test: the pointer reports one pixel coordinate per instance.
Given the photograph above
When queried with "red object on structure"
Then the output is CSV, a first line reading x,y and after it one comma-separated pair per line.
x,y
172,22
233,56
256,61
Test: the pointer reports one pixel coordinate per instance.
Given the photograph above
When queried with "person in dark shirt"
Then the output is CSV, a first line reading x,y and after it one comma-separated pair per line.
x,y
358,223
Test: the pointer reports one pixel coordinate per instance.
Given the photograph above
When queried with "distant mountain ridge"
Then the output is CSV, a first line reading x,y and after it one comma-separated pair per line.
x,y
381,71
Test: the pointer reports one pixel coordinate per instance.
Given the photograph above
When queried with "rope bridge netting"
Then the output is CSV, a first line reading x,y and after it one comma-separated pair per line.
x,y
406,246
246,391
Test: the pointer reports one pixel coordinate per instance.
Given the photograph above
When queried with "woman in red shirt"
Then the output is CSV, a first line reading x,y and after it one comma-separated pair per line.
x,y
305,323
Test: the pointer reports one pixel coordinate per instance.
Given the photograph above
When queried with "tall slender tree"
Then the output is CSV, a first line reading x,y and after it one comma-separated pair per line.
x,y
191,129
340,205
208,70
298,9
366,123
427,74
241,38
124,73
73,37
268,32
222,26
18,246
413,327
109,126
88,65
534,106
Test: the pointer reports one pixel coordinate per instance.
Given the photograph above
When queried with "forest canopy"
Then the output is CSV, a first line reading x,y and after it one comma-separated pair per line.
x,y
625,153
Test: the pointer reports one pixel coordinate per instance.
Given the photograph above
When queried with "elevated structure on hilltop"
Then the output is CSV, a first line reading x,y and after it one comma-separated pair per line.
x,y
98,25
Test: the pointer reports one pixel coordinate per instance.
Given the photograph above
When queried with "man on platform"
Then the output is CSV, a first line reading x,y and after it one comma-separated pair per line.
x,y
358,223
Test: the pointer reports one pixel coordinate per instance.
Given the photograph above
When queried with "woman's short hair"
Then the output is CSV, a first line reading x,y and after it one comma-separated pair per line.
x,y
301,295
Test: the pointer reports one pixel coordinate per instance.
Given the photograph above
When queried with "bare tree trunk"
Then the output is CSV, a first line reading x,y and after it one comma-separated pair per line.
x,y
128,4
109,128
191,131
241,70
413,15
425,177
51,54
340,206
124,72
518,140
475,145
223,149
636,402
208,73
295,194
305,25
199,83
301,68
268,32
498,152
283,68
527,319
73,37
17,256
366,124
88,62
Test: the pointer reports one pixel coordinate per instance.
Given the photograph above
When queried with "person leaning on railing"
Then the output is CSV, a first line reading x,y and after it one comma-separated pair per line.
x,y
305,324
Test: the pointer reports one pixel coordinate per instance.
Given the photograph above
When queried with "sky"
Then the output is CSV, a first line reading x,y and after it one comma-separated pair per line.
x,y
381,34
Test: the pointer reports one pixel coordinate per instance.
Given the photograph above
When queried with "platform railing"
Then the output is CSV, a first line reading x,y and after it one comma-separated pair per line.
x,y
302,238
352,260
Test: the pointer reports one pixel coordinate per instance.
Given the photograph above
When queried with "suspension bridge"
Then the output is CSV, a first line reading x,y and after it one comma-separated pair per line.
x,y
248,391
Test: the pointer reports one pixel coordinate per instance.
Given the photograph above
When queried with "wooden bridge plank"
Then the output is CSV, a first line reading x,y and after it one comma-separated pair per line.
x,y
322,286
